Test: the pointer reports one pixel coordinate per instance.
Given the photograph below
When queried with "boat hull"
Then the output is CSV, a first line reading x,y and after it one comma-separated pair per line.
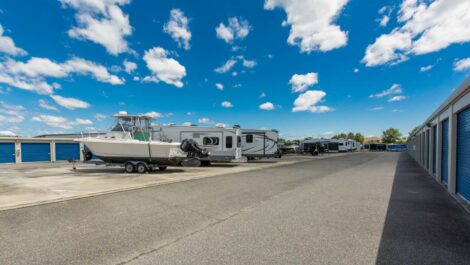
x,y
119,151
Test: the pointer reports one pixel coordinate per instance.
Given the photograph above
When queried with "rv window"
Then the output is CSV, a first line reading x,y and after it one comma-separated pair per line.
x,y
239,141
340,144
210,141
228,142
249,138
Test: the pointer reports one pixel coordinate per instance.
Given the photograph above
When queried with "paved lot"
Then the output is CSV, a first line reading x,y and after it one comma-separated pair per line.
x,y
39,183
363,208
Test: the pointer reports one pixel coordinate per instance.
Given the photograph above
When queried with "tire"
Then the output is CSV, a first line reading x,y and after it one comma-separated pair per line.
x,y
161,168
129,167
141,168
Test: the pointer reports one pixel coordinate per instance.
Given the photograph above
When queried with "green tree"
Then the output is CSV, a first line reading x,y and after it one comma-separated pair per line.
x,y
359,138
391,136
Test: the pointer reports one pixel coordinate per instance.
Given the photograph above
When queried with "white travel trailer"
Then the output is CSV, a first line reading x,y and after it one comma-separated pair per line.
x,y
340,145
260,143
222,143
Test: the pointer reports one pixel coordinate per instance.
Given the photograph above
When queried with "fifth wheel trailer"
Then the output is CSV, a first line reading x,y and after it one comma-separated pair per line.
x,y
223,144
260,143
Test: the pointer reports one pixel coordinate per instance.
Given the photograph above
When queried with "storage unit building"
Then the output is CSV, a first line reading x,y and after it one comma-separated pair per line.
x,y
29,150
441,145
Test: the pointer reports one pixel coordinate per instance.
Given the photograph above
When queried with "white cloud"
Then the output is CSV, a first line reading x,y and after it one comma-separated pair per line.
x,y
7,45
267,106
79,121
190,113
154,114
219,86
11,113
226,104
396,98
229,64
101,22
221,125
394,89
426,68
384,21
7,133
70,103
385,11
129,67
163,68
45,105
308,102
262,95
100,117
236,29
31,75
60,122
426,27
205,120
376,108
178,28
462,65
300,82
249,63
99,72
397,110
356,70
312,23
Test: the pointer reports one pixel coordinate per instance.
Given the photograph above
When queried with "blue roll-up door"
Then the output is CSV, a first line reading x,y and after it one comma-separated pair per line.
x,y
463,154
427,149
445,152
7,152
66,151
434,149
35,152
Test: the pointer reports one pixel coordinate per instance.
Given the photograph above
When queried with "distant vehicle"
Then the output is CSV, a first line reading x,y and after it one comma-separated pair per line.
x,y
308,145
223,144
396,147
260,143
129,142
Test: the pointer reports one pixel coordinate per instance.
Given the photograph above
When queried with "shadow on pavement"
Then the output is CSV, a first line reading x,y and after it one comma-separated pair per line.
x,y
424,224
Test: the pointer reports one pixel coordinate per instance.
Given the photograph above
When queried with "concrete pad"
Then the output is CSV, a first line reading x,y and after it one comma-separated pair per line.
x,y
38,183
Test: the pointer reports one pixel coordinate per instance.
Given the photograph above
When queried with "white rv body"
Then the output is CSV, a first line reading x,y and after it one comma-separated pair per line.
x,y
222,143
343,144
260,143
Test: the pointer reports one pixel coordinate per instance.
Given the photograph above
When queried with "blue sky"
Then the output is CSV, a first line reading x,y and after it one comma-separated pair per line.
x,y
303,67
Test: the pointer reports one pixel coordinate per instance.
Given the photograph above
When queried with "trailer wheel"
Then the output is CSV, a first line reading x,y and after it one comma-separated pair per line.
x,y
129,167
141,168
161,168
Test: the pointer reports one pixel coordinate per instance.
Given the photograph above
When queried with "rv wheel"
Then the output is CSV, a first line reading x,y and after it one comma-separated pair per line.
x,y
141,168
129,167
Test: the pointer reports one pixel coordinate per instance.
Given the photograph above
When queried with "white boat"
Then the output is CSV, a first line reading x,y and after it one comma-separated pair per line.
x,y
129,141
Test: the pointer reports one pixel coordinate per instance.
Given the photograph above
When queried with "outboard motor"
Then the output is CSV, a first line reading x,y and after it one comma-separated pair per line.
x,y
87,155
192,148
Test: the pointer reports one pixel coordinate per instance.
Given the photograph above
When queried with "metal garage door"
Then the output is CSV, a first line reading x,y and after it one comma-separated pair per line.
x,y
35,152
463,154
434,149
445,152
66,151
7,152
